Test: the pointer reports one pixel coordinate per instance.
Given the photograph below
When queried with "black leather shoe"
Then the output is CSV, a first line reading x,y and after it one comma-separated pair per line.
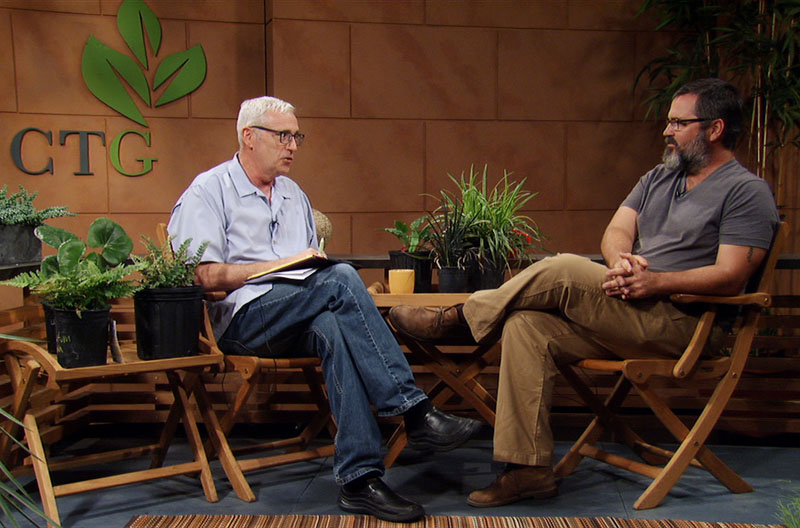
x,y
378,499
439,431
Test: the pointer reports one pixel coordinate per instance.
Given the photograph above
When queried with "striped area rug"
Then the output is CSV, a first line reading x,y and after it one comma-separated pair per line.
x,y
363,521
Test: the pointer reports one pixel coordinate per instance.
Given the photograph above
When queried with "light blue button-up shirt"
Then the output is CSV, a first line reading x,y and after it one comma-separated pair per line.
x,y
242,226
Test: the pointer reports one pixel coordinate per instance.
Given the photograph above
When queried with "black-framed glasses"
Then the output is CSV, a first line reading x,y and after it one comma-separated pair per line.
x,y
284,136
677,124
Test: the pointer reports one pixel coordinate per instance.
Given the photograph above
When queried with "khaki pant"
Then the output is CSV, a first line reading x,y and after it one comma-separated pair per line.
x,y
556,312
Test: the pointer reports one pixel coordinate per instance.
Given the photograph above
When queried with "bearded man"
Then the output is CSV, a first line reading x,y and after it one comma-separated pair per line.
x,y
697,223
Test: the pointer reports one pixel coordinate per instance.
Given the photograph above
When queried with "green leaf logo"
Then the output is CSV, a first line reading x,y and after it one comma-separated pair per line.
x,y
105,69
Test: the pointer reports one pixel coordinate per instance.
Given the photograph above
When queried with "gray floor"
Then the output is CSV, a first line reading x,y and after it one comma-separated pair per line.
x,y
442,482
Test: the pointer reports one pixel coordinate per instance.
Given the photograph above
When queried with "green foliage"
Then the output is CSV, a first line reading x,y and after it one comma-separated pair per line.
x,y
500,233
161,268
13,496
753,43
450,225
789,512
104,69
18,209
412,236
74,279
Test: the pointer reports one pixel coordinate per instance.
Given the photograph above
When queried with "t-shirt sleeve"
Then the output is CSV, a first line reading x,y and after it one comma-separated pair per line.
x,y
749,216
636,197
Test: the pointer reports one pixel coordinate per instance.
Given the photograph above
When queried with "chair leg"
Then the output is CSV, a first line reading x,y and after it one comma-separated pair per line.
x,y
41,470
192,432
692,445
220,443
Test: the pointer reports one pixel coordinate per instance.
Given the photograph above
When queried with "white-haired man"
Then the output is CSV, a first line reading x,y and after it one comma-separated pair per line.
x,y
255,218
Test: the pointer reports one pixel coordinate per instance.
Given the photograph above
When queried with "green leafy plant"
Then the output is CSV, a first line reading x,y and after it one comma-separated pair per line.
x,y
755,44
103,67
412,236
74,279
163,268
789,512
19,209
450,226
13,496
500,234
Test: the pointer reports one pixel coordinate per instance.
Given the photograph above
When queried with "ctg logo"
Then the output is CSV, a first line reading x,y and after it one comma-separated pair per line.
x,y
105,69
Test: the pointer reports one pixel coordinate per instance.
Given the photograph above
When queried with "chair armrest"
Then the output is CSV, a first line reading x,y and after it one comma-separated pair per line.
x,y
214,295
758,298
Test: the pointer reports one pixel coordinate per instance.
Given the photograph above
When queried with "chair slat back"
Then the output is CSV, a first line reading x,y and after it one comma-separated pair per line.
x,y
762,280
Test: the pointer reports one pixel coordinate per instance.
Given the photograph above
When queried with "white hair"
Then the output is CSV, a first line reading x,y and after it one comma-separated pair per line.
x,y
251,111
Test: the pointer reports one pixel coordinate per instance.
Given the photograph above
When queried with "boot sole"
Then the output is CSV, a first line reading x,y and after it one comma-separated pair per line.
x,y
539,494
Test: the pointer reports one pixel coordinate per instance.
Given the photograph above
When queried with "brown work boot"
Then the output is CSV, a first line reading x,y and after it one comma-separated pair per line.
x,y
441,325
522,482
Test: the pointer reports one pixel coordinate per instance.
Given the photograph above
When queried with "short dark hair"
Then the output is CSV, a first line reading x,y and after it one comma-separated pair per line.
x,y
717,99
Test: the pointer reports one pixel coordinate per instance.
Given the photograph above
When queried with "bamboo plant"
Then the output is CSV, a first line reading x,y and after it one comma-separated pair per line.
x,y
752,43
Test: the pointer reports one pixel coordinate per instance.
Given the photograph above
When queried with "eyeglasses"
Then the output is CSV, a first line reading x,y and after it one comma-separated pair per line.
x,y
677,124
284,136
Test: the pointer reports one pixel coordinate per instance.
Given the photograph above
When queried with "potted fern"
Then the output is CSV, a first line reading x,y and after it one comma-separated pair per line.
x,y
18,218
76,287
169,307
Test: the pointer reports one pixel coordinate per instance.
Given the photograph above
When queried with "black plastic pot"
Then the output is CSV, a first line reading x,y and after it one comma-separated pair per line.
x,y
18,245
50,328
81,341
422,264
453,280
168,321
485,275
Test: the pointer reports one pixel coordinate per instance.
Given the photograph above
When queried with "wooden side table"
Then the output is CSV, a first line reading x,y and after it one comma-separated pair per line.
x,y
454,378
27,362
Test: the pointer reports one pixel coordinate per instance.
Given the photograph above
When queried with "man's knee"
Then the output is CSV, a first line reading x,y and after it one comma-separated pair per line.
x,y
571,267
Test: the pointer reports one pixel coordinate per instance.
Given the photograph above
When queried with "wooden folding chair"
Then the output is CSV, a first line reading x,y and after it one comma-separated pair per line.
x,y
255,372
648,375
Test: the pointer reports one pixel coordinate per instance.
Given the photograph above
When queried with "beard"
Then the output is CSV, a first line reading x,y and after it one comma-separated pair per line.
x,y
690,158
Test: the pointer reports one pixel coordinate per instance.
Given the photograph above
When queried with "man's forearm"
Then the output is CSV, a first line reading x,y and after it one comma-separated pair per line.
x,y
615,241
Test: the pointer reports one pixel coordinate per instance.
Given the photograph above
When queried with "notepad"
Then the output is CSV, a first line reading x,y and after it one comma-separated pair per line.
x,y
298,269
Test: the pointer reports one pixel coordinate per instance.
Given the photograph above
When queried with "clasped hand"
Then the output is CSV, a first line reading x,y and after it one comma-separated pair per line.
x,y
629,278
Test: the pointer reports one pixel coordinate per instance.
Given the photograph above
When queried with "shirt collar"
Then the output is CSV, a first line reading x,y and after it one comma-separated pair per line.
x,y
243,185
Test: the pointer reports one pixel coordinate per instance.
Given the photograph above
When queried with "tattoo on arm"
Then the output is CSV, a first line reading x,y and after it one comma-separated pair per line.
x,y
750,255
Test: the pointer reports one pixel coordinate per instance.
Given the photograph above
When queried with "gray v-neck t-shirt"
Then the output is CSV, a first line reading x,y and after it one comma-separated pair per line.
x,y
680,230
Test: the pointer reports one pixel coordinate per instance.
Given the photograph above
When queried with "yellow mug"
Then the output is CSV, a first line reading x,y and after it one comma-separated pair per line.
x,y
401,281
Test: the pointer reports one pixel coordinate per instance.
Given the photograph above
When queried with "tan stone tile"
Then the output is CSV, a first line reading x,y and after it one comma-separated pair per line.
x,y
81,193
313,59
405,12
494,13
573,231
605,160
423,72
565,75
218,10
64,6
605,15
534,151
341,240
183,148
361,165
649,45
49,48
235,59
8,92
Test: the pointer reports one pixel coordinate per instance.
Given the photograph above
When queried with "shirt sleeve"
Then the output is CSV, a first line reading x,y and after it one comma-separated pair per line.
x,y
199,217
749,216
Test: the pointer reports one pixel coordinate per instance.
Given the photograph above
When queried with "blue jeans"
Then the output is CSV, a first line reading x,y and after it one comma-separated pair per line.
x,y
330,314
